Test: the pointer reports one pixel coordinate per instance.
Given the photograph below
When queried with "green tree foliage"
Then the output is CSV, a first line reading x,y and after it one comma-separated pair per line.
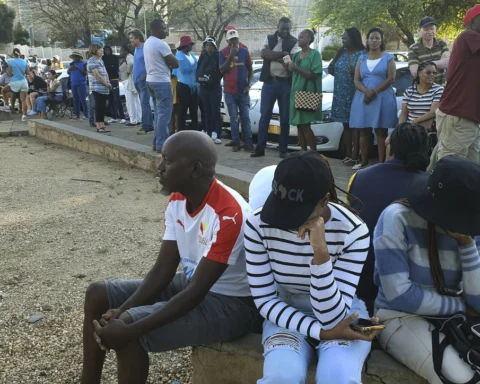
x,y
401,15
20,35
210,17
7,16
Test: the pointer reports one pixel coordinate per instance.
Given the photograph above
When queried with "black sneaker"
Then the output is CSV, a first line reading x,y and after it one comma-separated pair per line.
x,y
248,148
257,154
131,125
232,143
283,155
236,147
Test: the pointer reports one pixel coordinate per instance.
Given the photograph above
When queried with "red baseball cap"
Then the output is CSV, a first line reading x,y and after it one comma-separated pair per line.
x,y
471,14
229,27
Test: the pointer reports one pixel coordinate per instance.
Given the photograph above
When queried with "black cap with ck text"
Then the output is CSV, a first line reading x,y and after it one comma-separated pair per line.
x,y
427,21
300,182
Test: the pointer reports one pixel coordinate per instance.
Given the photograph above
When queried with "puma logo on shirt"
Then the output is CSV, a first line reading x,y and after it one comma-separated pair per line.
x,y
230,218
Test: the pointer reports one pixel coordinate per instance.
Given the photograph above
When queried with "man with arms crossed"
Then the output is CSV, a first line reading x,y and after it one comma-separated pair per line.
x,y
158,62
208,302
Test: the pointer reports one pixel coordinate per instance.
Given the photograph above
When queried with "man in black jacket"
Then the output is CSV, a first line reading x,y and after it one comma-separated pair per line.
x,y
276,85
209,77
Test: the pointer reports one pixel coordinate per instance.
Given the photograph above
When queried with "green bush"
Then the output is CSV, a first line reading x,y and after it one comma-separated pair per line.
x,y
330,51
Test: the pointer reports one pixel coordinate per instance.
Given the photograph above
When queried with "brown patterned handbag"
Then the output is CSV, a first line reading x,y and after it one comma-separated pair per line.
x,y
308,101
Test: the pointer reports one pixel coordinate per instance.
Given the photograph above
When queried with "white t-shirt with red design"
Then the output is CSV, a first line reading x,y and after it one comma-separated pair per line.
x,y
214,231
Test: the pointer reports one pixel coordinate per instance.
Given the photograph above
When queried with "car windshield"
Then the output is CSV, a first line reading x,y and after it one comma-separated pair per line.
x,y
403,80
327,84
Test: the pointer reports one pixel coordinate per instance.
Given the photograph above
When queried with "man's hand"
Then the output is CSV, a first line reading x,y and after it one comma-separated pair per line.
x,y
115,335
233,51
342,331
459,238
109,86
315,228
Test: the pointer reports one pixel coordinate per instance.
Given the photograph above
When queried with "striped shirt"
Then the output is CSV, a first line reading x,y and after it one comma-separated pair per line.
x,y
402,269
279,260
419,104
95,84
418,53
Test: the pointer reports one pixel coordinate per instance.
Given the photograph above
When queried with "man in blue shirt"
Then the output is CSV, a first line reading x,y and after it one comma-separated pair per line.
x,y
78,82
139,78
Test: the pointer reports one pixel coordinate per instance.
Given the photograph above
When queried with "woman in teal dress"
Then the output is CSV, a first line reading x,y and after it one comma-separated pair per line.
x,y
342,67
306,66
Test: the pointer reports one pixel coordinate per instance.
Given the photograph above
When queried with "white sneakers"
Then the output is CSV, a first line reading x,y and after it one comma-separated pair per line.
x,y
214,136
31,113
5,109
217,141
123,121
112,121
24,117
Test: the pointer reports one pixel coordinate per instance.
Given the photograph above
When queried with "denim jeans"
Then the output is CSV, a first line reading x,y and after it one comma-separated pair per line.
x,y
239,102
144,94
79,93
273,91
91,108
211,99
288,354
116,107
162,95
41,103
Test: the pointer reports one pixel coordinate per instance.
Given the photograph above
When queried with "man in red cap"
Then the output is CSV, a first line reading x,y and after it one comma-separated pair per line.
x,y
231,27
458,115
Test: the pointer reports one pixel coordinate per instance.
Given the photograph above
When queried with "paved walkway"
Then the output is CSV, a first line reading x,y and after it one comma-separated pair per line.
x,y
237,160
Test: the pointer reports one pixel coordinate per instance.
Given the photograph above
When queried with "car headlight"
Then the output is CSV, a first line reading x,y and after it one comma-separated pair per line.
x,y
327,115
253,103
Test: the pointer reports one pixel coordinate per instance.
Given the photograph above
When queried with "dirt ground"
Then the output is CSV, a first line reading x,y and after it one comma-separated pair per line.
x,y
58,235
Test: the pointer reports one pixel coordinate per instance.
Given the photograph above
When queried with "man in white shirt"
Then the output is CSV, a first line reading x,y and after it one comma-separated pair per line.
x,y
276,85
158,62
208,302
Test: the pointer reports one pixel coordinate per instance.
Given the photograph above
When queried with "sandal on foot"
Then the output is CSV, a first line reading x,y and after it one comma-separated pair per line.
x,y
103,130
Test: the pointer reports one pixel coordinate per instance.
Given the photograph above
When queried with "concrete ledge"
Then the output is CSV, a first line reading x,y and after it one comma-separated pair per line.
x,y
127,152
244,360
13,128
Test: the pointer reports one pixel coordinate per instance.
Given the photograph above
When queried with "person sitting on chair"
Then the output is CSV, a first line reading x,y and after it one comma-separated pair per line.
x,y
54,93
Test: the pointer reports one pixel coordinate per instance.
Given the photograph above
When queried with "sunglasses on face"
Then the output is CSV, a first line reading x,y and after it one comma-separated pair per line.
x,y
428,73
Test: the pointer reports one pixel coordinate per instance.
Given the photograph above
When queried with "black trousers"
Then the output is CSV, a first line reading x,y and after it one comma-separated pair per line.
x,y
188,102
100,105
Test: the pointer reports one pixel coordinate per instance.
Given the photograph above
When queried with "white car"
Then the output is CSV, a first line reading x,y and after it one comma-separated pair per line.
x,y
328,134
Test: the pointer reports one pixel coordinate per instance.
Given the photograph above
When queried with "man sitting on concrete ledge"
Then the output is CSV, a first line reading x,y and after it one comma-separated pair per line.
x,y
305,251
210,301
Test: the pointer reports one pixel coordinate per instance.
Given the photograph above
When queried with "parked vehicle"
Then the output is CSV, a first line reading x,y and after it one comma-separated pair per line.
x,y
328,134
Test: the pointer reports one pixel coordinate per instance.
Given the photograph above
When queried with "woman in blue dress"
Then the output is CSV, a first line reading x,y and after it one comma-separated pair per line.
x,y
374,104
342,67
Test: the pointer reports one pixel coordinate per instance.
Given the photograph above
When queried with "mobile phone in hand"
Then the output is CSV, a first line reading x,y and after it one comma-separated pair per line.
x,y
366,326
287,59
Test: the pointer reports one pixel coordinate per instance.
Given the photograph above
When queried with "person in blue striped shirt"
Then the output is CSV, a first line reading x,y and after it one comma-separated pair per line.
x,y
427,263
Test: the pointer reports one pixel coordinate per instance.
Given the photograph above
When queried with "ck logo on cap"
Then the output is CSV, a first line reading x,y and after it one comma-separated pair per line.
x,y
295,195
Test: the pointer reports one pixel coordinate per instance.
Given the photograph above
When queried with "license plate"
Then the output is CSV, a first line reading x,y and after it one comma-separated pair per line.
x,y
275,129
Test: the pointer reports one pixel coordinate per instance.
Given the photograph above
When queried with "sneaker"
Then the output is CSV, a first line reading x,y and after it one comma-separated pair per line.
x,y
5,109
214,136
348,162
236,147
131,124
76,118
248,148
123,121
232,143
31,113
24,117
358,166
111,121
142,132
217,141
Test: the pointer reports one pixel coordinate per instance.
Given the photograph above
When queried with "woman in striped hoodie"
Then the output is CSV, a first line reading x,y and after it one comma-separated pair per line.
x,y
305,252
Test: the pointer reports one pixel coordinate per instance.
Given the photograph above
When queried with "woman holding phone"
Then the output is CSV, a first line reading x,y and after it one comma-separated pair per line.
x,y
306,68
305,251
